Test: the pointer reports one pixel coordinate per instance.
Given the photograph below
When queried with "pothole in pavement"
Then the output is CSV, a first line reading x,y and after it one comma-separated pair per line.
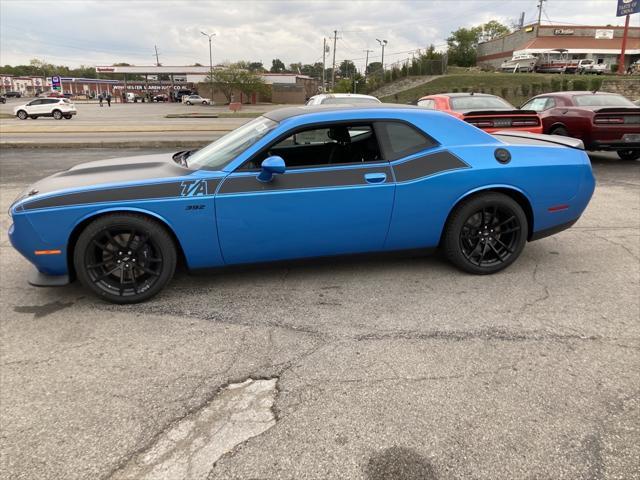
x,y
189,449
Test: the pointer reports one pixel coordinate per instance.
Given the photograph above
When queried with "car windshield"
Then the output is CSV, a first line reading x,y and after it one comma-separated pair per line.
x,y
217,154
479,103
602,101
349,100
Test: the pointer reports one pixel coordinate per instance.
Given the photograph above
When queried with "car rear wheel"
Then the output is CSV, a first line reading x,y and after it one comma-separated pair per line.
x,y
561,131
57,114
188,103
124,258
68,117
630,154
22,115
485,234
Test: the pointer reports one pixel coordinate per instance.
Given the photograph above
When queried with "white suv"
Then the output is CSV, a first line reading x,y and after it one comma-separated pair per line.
x,y
341,98
46,107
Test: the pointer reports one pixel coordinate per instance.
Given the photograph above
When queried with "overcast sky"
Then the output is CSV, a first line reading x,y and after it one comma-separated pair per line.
x,y
102,33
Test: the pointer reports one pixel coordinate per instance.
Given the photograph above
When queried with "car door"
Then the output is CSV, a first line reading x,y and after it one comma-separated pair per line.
x,y
34,107
316,209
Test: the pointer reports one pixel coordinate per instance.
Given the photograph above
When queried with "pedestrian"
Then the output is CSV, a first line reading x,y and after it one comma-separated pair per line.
x,y
124,96
109,100
100,98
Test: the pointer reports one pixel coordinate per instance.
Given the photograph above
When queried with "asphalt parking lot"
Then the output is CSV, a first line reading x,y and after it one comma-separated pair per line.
x,y
384,368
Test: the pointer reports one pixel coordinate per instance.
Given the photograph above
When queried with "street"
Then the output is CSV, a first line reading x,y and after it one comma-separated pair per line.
x,y
380,367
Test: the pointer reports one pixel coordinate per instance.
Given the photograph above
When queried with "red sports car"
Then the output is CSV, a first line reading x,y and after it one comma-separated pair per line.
x,y
603,121
488,112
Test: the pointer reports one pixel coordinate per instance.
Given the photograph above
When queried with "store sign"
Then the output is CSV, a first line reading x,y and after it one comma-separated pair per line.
x,y
55,83
604,34
628,7
105,69
563,31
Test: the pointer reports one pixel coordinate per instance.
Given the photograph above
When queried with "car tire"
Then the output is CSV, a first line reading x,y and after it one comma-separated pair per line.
x,y
124,258
57,114
560,131
631,154
188,103
485,233
67,117
205,103
22,115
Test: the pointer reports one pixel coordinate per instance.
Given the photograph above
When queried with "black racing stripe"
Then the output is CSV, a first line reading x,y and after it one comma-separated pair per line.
x,y
426,165
187,188
294,180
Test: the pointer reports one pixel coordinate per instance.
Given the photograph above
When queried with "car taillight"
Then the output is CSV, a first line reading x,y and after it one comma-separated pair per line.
x,y
529,122
481,123
609,120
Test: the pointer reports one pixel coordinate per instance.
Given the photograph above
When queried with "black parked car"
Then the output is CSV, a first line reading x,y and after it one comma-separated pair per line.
x,y
3,99
13,94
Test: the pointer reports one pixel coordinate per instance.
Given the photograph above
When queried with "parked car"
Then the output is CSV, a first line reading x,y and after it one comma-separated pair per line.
x,y
57,108
195,99
161,97
342,98
376,178
133,97
3,99
54,94
178,94
488,112
603,121
590,66
13,94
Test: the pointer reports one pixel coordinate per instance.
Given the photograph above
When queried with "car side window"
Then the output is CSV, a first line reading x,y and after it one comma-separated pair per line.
x,y
400,140
539,104
336,144
34,102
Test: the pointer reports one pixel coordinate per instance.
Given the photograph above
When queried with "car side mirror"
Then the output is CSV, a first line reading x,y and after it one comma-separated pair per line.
x,y
269,167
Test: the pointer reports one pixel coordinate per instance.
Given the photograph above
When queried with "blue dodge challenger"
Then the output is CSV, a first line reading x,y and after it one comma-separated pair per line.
x,y
302,182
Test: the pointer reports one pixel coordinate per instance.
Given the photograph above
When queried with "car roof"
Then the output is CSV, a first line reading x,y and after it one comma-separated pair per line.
x,y
284,113
574,93
342,95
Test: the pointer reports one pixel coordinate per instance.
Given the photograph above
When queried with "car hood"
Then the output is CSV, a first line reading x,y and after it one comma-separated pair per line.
x,y
102,172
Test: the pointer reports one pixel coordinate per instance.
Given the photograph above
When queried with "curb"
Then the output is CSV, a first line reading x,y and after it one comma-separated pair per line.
x,y
124,144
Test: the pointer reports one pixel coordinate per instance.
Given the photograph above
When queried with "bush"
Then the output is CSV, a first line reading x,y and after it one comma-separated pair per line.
x,y
556,85
465,89
536,89
454,90
525,90
579,85
614,68
595,84
504,92
492,91
565,84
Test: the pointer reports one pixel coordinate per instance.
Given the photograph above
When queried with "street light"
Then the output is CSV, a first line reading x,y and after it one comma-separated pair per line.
x,y
210,65
382,44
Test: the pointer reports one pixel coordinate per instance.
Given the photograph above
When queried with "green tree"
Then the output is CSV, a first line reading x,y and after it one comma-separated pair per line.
x,y
462,46
233,79
255,67
346,68
277,66
314,70
494,29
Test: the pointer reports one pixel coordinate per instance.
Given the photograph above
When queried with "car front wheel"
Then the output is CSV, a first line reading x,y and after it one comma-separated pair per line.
x,y
22,115
124,258
486,233
630,154
57,114
188,103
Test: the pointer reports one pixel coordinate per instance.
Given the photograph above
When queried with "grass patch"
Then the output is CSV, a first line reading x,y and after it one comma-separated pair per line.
x,y
6,115
514,87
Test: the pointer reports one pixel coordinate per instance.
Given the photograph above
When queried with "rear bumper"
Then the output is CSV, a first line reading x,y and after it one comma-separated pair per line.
x,y
547,232
614,145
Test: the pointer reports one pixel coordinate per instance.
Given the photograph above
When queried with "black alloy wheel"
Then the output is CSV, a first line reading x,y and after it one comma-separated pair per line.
x,y
486,233
631,154
125,258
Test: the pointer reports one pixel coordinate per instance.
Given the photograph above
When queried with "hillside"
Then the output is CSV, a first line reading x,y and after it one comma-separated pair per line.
x,y
516,88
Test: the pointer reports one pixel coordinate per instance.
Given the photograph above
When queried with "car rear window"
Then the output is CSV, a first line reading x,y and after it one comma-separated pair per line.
x,y
479,103
400,140
602,101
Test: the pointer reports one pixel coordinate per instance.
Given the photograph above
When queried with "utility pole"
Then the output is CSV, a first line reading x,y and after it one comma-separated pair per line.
x,y
366,64
157,58
539,16
383,43
333,68
210,36
324,68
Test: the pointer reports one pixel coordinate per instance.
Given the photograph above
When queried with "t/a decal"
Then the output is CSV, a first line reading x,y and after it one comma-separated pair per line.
x,y
195,188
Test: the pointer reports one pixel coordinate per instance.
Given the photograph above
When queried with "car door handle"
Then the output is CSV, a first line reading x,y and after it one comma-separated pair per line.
x,y
378,177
